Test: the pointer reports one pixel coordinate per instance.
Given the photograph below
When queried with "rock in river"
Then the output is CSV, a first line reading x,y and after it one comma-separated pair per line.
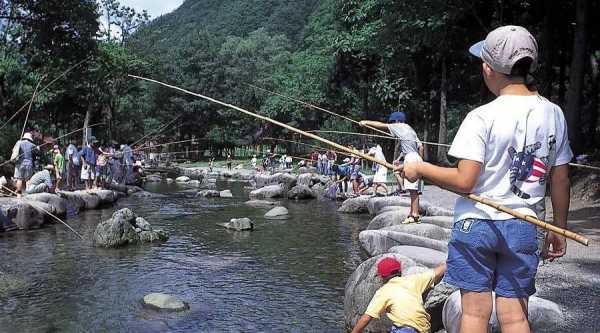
x,y
182,179
226,194
301,192
277,212
271,191
262,203
356,205
380,241
160,301
123,229
243,224
208,194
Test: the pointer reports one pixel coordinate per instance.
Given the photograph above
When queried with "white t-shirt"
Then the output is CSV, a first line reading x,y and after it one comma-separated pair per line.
x,y
518,139
409,141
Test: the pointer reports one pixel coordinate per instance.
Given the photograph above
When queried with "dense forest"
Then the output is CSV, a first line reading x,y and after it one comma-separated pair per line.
x,y
362,59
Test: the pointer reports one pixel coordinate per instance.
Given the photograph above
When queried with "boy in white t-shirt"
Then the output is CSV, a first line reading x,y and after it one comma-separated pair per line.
x,y
508,151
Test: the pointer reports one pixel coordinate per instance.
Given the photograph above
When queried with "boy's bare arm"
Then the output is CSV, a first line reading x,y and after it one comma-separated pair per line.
x,y
560,189
362,323
376,124
438,273
461,179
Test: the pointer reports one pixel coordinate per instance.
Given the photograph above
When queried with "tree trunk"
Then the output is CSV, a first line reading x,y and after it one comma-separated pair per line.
x,y
443,129
593,111
576,73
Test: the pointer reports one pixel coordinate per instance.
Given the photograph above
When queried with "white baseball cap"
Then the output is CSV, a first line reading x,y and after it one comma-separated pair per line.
x,y
506,45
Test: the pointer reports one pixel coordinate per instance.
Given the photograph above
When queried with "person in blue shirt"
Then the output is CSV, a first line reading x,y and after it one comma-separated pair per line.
x,y
88,163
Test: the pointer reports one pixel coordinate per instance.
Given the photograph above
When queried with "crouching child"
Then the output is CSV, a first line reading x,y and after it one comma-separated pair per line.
x,y
401,297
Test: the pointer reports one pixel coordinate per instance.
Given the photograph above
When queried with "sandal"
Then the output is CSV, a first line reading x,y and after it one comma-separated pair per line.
x,y
411,219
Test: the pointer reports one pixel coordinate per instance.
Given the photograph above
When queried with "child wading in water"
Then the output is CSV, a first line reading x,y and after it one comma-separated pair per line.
x,y
401,297
508,151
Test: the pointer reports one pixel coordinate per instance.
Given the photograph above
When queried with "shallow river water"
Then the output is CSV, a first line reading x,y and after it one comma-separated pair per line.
x,y
287,275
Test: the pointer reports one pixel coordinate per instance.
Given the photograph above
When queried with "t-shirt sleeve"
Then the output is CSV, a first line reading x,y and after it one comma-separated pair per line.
x,y
422,281
377,305
564,154
469,142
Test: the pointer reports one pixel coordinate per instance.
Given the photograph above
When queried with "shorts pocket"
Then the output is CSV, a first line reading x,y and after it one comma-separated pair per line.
x,y
467,232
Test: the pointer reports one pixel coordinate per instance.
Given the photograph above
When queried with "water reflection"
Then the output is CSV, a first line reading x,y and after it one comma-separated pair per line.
x,y
260,281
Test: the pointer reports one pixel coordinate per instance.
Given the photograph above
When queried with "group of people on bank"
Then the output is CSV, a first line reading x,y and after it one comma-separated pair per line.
x,y
91,165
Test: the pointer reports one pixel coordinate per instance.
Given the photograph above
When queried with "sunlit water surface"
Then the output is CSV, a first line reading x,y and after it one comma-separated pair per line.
x,y
287,275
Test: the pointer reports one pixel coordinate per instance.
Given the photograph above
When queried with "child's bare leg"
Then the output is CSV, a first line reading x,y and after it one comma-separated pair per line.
x,y
414,202
512,314
476,311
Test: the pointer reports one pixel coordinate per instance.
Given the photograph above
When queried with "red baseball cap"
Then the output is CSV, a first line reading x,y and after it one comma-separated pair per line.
x,y
388,266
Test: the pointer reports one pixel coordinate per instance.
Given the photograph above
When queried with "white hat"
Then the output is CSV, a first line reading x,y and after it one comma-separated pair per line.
x,y
28,136
346,160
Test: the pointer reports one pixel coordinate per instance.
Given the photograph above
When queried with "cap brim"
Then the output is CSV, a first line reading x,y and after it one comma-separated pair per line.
x,y
476,48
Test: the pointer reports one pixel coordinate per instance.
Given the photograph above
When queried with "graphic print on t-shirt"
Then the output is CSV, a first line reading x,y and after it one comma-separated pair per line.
x,y
527,168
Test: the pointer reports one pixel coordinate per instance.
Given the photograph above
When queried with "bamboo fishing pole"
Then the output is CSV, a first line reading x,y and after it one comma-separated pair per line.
x,y
162,128
317,108
566,233
46,87
31,104
381,136
306,144
36,205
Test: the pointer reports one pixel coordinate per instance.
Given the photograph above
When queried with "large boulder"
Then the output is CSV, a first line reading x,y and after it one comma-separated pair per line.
x,y
208,194
375,204
277,212
377,242
360,288
356,205
106,197
396,216
287,181
301,192
21,214
423,230
305,179
182,179
421,255
225,194
243,224
543,315
262,203
153,178
271,191
90,199
123,229
164,302
58,203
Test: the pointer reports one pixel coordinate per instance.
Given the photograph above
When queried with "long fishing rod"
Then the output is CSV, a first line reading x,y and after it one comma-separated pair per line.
x,y
566,233
316,107
46,87
162,128
60,137
306,144
381,136
165,144
31,104
36,205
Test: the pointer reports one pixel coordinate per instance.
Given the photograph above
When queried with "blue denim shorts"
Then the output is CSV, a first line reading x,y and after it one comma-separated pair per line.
x,y
403,329
489,255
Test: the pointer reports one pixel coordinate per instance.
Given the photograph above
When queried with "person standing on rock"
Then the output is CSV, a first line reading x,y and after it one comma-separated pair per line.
x,y
59,166
88,164
380,171
73,165
401,297
23,154
127,163
509,150
413,150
